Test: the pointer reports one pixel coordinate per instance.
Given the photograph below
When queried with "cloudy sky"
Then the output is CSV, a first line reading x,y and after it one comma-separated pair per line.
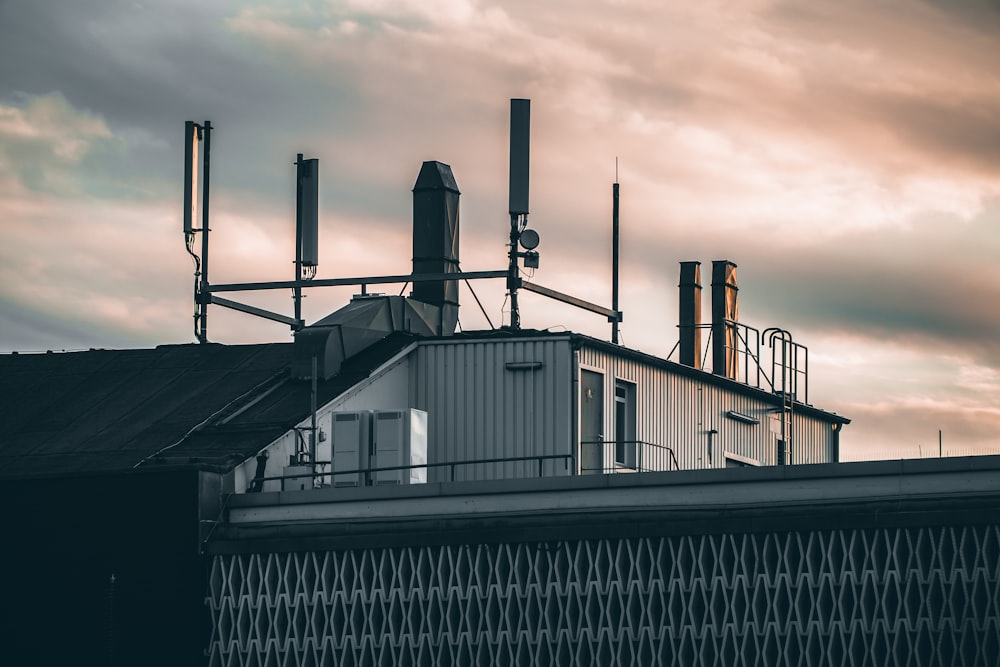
x,y
846,155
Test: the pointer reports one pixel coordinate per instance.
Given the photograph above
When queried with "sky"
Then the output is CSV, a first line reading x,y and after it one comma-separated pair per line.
x,y
845,155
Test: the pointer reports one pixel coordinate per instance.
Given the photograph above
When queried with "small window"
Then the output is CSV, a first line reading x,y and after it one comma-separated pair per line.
x,y
625,440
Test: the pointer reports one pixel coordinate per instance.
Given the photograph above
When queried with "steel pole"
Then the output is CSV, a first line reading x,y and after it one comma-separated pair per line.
x,y
297,290
203,297
614,263
512,271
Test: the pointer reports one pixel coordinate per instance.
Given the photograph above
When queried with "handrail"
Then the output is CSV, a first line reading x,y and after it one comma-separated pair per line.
x,y
643,443
540,458
453,465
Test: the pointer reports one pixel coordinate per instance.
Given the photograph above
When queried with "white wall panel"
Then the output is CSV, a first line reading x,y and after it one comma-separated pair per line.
x,y
678,412
494,399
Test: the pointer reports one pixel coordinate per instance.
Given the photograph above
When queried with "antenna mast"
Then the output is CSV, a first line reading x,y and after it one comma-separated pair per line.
x,y
523,241
520,130
193,134
614,259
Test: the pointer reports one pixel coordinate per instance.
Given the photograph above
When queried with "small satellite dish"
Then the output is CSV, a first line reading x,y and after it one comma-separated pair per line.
x,y
529,239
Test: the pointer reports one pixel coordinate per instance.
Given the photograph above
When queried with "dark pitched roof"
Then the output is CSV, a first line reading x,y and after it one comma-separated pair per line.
x,y
109,410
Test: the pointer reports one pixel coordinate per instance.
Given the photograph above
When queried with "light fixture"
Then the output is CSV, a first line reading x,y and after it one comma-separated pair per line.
x,y
740,417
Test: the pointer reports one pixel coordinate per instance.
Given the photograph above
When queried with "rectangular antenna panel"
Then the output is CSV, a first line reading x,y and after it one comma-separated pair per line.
x,y
190,175
520,132
309,212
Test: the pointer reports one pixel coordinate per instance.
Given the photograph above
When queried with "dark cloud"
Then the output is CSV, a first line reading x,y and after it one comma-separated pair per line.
x,y
929,286
150,67
30,328
981,15
964,133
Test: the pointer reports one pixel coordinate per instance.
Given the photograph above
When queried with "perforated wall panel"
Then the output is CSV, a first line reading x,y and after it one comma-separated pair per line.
x,y
892,596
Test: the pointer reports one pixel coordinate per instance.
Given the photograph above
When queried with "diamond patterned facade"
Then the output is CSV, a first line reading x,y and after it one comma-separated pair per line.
x,y
876,596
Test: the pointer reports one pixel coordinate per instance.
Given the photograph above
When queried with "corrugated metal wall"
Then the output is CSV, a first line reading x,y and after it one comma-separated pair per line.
x,y
678,412
480,408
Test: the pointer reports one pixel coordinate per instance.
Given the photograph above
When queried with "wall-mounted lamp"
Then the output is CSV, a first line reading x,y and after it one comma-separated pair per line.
x,y
710,434
742,418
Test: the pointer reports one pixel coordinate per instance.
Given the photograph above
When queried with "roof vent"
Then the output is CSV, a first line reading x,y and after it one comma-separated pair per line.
x,y
354,328
435,240
725,315
690,314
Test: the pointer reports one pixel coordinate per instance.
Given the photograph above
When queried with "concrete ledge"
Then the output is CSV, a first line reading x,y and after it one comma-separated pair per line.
x,y
842,471
715,491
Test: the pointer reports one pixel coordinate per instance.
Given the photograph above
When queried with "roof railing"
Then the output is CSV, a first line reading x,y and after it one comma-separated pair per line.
x,y
638,456
626,456
540,459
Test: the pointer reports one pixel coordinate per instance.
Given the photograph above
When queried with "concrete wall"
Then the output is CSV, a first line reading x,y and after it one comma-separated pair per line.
x,y
894,563
65,538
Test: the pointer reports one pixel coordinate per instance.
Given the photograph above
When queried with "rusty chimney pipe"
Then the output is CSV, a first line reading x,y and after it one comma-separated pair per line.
x,y
690,314
725,314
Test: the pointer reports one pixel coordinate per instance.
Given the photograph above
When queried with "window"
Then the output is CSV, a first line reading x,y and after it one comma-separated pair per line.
x,y
625,441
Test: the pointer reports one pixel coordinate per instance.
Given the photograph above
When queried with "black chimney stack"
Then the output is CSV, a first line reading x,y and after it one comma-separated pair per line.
x,y
435,240
690,314
725,314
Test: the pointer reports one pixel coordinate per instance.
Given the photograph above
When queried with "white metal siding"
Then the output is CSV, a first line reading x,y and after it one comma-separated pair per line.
x,y
678,411
477,408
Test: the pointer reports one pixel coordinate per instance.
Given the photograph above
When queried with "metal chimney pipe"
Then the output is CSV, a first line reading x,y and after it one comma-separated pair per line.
x,y
435,239
690,314
725,314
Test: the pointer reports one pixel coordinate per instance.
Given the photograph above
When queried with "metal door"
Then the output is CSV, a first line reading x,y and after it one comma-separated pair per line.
x,y
591,422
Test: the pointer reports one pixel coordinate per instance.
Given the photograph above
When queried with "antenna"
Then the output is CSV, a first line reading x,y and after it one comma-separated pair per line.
x,y
306,228
193,133
614,259
523,241
521,236
308,214
520,141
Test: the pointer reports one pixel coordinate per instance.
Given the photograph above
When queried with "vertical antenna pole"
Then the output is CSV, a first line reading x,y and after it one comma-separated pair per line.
x,y
513,277
297,290
205,296
614,260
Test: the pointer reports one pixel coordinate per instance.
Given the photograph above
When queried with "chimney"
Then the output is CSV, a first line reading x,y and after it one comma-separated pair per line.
x,y
725,314
435,240
690,314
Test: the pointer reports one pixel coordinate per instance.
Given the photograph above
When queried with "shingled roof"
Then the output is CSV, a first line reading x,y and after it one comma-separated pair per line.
x,y
114,410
